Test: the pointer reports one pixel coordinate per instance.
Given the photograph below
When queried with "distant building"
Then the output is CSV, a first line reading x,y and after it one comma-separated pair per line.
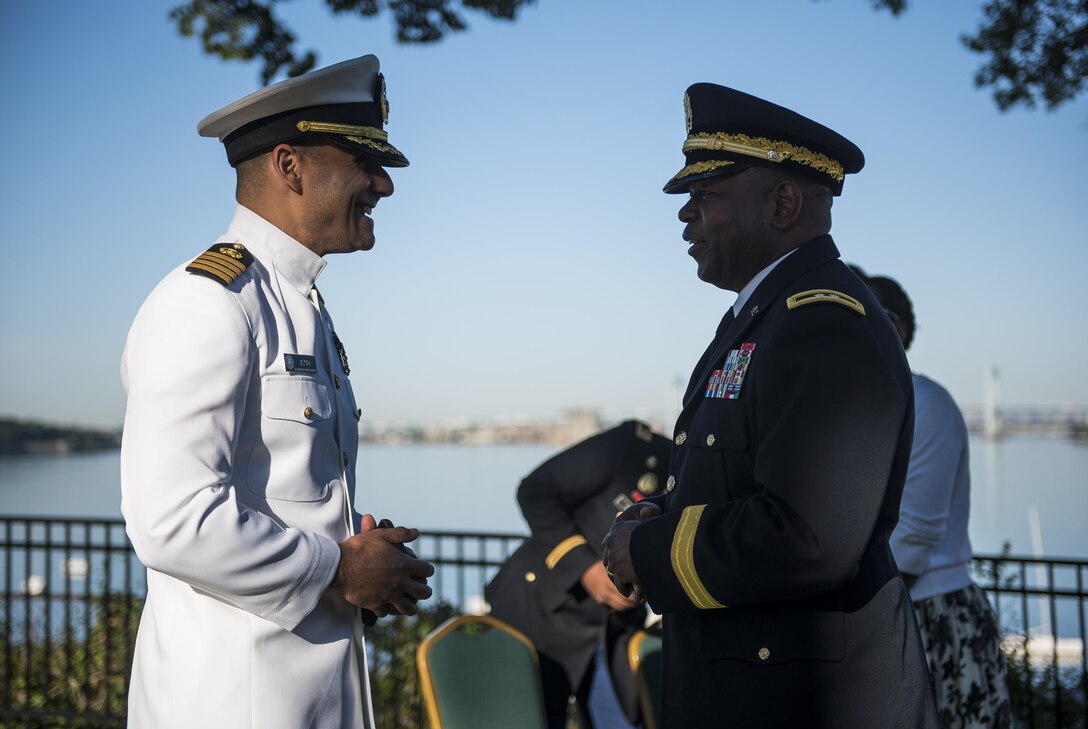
x,y
572,426
991,414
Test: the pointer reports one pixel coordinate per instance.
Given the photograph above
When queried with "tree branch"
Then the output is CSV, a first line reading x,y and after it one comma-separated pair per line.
x,y
247,29
1037,49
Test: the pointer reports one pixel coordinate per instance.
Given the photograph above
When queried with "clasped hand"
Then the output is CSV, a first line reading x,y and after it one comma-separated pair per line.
x,y
616,549
379,573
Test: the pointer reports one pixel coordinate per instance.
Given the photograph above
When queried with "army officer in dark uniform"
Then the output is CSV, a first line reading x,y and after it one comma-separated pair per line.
x,y
768,555
554,587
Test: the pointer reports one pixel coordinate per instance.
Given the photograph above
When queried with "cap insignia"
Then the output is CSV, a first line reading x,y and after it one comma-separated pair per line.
x,y
824,296
768,149
383,100
222,263
687,112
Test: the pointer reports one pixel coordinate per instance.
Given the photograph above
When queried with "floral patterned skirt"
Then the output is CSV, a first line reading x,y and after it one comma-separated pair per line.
x,y
966,666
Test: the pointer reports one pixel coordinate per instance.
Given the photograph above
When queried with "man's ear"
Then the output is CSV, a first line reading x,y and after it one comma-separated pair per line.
x,y
287,166
788,201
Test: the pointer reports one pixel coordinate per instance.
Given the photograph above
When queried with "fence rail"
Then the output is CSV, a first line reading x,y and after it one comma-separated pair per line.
x,y
71,591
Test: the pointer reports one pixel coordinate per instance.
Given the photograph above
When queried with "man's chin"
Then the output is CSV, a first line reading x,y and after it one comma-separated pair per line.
x,y
363,243
710,278
354,246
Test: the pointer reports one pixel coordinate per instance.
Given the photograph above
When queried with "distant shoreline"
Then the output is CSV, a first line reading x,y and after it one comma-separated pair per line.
x,y
27,438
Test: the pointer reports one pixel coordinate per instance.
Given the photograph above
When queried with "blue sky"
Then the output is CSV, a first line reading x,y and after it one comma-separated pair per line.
x,y
528,261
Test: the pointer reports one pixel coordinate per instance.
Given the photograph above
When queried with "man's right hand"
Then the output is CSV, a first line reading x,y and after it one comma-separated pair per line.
x,y
599,586
375,574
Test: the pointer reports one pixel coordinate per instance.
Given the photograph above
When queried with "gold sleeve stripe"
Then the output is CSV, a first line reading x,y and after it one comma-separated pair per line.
x,y
816,296
683,559
562,548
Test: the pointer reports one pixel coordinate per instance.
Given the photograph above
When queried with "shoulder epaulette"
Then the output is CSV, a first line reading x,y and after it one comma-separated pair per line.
x,y
824,296
222,263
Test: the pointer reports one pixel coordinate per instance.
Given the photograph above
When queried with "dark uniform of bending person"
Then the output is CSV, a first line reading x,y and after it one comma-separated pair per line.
x,y
554,587
768,555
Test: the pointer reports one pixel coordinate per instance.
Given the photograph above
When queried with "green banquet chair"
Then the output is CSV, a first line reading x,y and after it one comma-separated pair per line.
x,y
479,673
644,655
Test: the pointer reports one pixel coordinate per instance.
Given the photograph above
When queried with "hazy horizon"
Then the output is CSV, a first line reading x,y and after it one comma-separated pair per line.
x,y
529,261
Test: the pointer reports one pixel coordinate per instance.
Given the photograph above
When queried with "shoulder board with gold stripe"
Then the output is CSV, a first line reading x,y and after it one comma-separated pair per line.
x,y
223,262
824,296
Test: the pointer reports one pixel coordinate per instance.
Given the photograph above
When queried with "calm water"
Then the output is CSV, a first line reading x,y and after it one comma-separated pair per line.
x,y
1015,483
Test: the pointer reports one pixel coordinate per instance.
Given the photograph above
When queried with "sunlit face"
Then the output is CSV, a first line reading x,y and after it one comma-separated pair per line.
x,y
341,189
727,223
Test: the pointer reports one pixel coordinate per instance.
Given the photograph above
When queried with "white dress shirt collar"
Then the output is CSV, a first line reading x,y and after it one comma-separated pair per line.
x,y
293,261
746,292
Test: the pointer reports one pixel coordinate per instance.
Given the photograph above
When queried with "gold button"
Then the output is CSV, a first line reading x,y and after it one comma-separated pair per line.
x,y
336,381
681,438
764,653
530,576
346,459
710,439
308,413
670,484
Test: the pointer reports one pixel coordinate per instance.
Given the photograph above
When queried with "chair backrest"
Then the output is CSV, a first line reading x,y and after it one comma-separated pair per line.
x,y
477,673
644,655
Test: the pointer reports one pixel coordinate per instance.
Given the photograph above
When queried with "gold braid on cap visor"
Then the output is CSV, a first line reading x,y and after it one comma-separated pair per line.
x,y
344,129
700,167
763,148
370,136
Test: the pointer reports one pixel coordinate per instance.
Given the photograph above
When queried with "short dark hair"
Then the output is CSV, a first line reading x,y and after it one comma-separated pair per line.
x,y
250,172
893,298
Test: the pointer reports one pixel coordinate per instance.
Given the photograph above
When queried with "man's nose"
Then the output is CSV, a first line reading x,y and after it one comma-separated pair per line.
x,y
381,183
687,212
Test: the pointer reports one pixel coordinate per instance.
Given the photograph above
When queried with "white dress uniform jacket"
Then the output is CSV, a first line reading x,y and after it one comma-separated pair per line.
x,y
237,477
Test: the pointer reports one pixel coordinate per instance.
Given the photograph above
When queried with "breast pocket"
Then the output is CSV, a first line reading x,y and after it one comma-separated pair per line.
x,y
296,459
720,449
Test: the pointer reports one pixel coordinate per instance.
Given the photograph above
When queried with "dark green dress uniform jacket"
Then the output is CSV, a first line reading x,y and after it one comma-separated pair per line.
x,y
569,502
782,604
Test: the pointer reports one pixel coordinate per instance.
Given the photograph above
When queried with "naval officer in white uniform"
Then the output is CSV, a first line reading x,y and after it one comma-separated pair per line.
x,y
238,460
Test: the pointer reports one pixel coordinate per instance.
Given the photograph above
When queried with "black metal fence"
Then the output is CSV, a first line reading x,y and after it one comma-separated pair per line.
x,y
72,591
